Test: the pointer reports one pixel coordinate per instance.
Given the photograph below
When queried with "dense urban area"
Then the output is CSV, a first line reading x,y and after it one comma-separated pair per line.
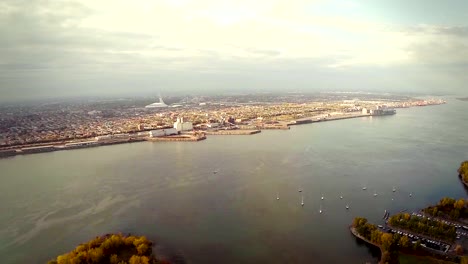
x,y
37,127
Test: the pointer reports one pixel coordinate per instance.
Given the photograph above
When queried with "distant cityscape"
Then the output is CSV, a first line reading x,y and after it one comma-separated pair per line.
x,y
72,123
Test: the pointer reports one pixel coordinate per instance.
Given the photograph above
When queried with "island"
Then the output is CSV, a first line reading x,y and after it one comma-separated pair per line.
x,y
112,249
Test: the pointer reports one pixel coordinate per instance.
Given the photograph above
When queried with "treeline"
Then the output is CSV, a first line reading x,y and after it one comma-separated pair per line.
x,y
389,243
463,171
420,225
111,249
449,207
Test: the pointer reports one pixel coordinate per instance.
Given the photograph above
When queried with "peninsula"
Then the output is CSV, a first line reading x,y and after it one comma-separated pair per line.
x,y
436,234
63,126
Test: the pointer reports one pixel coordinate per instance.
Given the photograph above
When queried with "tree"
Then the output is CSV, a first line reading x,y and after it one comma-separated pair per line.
x,y
460,204
463,170
459,250
386,257
464,260
387,240
404,241
138,260
113,249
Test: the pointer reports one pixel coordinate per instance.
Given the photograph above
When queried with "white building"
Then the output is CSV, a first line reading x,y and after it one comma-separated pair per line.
x,y
159,104
106,137
180,125
163,132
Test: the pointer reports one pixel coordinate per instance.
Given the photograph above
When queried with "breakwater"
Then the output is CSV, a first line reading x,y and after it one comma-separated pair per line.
x,y
66,146
309,120
176,138
233,132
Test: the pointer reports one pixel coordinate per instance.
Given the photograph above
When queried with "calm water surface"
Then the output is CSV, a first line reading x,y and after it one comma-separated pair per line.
x,y
167,191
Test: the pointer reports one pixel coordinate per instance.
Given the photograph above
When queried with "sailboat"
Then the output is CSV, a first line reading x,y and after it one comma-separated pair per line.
x,y
302,202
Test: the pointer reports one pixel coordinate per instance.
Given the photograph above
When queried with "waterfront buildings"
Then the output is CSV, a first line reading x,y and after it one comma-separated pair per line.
x,y
180,125
163,132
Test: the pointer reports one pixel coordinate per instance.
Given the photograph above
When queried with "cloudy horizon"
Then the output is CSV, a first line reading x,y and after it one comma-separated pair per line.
x,y
110,48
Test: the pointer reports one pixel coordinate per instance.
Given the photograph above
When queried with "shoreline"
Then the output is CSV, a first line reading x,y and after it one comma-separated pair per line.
x,y
233,132
354,232
462,180
69,145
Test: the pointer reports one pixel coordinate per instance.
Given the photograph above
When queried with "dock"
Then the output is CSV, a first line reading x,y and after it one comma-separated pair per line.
x,y
232,132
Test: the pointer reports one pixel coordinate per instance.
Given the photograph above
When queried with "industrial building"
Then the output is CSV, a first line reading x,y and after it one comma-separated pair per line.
x,y
180,125
379,110
163,132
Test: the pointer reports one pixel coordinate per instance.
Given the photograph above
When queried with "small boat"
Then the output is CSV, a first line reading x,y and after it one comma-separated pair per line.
x,y
302,202
410,194
300,190
322,197
214,172
320,211
375,193
394,189
364,188
347,207
277,196
341,196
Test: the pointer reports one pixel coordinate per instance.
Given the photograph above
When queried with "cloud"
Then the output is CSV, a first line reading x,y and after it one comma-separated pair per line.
x,y
91,42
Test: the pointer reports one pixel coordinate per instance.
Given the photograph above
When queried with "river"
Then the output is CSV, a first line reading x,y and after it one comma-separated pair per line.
x,y
51,202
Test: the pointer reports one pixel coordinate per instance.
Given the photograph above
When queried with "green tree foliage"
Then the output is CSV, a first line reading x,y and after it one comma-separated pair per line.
x,y
404,242
388,242
420,225
113,249
450,208
463,170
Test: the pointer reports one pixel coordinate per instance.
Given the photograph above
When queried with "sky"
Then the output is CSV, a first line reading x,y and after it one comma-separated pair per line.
x,y
66,48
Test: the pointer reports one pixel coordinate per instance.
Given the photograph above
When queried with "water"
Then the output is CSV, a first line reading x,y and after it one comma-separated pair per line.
x,y
51,202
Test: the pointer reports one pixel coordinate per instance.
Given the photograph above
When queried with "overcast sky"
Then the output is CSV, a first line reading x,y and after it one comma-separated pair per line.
x,y
91,47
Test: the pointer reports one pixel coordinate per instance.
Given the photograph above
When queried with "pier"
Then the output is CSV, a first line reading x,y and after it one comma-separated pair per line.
x,y
232,132
176,138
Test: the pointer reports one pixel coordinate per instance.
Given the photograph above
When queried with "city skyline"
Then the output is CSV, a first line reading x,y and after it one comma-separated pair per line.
x,y
101,48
